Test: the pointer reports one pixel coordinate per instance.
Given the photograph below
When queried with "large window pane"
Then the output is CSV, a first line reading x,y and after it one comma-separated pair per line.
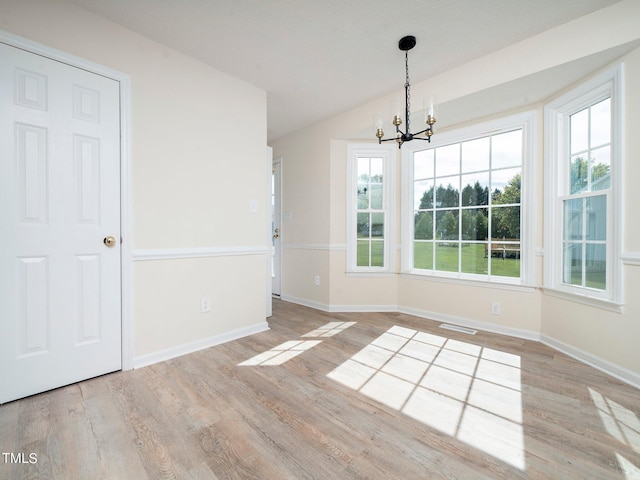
x,y
595,266
579,175
377,253
376,196
363,196
363,170
423,255
506,186
506,149
363,225
505,223
447,256
377,225
448,160
601,169
475,189
363,253
473,258
505,266
423,195
447,225
377,170
572,271
596,217
423,166
601,129
423,226
579,131
475,155
475,224
448,192
573,215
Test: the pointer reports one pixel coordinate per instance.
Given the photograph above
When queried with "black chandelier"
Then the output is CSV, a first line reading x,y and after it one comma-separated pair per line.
x,y
405,44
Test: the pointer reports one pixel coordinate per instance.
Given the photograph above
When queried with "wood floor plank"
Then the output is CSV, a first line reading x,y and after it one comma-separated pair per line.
x,y
522,411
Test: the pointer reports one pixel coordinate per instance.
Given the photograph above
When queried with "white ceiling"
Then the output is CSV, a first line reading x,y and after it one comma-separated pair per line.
x,y
316,58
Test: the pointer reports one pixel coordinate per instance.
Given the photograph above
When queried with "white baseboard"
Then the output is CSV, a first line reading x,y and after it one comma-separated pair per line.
x,y
306,303
169,353
622,374
363,308
474,324
339,308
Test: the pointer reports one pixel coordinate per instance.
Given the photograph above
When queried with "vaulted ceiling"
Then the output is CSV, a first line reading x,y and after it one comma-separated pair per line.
x,y
317,58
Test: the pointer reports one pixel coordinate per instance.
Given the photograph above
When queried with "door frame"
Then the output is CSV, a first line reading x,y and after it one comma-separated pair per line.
x,y
126,245
277,163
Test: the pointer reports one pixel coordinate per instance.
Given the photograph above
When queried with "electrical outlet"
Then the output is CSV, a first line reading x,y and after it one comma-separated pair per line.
x,y
496,308
205,305
316,280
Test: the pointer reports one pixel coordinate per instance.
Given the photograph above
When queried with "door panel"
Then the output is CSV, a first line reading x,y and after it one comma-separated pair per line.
x,y
60,295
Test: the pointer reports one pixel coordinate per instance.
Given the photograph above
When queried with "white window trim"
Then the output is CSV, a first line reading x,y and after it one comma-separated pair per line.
x,y
556,114
526,121
388,153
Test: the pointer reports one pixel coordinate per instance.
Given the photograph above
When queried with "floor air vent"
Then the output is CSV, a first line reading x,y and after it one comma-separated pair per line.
x,y
457,328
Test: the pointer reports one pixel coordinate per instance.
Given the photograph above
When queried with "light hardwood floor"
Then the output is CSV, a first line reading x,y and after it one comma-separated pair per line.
x,y
390,396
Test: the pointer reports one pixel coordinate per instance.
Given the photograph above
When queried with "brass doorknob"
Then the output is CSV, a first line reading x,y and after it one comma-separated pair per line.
x,y
109,241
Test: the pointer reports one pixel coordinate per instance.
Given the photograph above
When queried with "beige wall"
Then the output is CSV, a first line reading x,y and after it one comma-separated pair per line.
x,y
194,174
318,154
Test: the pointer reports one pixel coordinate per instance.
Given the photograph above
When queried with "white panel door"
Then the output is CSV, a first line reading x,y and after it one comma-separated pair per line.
x,y
60,296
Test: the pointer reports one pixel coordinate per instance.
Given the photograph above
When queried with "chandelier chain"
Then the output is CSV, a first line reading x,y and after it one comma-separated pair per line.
x,y
407,87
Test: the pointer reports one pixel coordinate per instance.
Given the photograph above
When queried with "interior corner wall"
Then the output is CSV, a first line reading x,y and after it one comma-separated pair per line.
x,y
195,178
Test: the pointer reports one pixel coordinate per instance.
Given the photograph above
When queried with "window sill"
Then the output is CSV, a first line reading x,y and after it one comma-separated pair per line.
x,y
516,285
585,300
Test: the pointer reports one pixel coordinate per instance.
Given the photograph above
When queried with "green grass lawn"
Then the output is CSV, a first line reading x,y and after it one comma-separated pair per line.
x,y
472,257
376,250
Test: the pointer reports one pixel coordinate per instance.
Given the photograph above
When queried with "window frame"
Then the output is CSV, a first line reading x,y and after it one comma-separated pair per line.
x,y
388,153
525,121
608,84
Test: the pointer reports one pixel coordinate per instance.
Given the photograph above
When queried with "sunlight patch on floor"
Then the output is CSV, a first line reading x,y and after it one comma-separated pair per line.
x,y
620,422
330,329
282,353
631,472
623,425
291,349
464,390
